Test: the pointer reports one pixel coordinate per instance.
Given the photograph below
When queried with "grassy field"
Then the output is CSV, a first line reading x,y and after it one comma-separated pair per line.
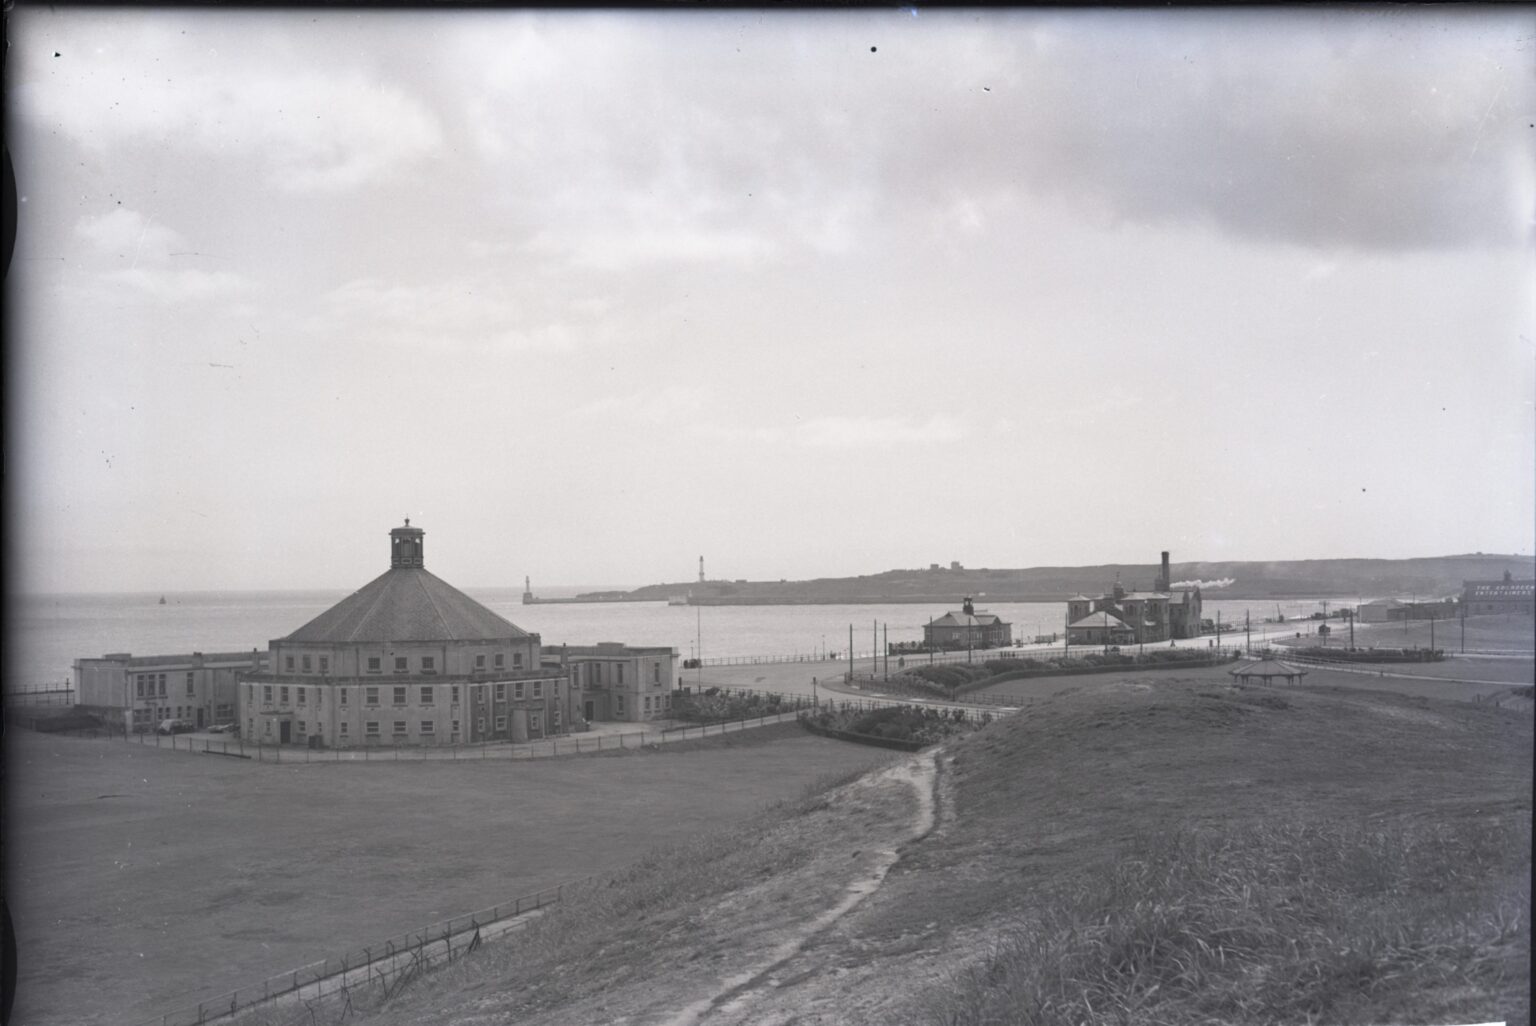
x,y
1170,850
143,878
1507,633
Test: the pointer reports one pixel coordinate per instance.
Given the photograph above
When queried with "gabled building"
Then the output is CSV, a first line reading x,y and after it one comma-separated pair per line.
x,y
406,659
1101,628
1150,616
967,628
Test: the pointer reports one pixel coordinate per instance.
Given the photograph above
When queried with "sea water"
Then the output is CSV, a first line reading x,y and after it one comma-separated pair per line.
x,y
44,634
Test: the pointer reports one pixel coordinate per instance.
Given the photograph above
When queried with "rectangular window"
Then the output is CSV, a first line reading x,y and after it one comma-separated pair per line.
x,y
325,664
301,694
655,673
501,723
161,682
306,664
517,660
190,690
455,728
370,696
426,726
455,694
501,660
399,730
269,728
480,662
303,727
288,663
647,703
373,664
342,694
517,691
538,689
428,664
480,725
399,696
282,694
619,669
371,728
342,728
501,692
266,693
426,696
250,727
139,688
619,698
399,664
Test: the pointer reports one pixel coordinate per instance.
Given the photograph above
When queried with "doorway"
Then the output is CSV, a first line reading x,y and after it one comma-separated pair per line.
x,y
284,732
591,710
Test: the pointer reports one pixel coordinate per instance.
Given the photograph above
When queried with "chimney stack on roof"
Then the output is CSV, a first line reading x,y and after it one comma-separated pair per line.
x,y
1165,582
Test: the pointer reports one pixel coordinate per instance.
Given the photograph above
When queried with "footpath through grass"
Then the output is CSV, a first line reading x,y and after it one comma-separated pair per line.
x,y
1146,850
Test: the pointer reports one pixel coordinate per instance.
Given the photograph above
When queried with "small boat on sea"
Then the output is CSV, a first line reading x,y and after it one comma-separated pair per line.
x,y
162,600
678,600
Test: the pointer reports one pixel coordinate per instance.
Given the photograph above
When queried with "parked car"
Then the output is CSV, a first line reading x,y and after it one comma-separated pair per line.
x,y
175,727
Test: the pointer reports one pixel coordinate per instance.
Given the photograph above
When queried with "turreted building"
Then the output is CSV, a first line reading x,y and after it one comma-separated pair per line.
x,y
406,659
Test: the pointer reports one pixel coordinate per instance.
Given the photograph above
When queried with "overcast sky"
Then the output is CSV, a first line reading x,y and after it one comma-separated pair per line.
x,y
588,295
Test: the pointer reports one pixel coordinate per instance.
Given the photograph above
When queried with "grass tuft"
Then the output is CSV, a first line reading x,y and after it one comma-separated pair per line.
x,y
1290,921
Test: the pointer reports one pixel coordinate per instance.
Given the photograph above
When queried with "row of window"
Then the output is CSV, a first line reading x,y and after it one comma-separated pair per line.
x,y
152,685
155,715
427,665
426,693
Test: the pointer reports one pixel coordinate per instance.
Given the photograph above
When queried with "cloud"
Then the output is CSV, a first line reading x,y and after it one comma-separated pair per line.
x,y
123,236
304,128
129,235
171,287
848,432
474,315
663,406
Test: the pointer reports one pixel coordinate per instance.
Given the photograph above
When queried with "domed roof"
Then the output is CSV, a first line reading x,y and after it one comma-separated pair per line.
x,y
406,603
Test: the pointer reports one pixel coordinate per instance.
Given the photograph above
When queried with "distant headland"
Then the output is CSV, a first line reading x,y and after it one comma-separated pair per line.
x,y
1425,577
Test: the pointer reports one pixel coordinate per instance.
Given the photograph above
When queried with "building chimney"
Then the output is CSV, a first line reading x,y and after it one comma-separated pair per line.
x,y
405,548
1167,580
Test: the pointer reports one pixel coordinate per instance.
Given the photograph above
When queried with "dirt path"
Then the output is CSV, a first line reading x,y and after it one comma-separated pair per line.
x,y
740,996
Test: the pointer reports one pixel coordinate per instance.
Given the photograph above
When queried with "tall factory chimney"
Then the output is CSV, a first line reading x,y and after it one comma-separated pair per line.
x,y
701,569
1165,582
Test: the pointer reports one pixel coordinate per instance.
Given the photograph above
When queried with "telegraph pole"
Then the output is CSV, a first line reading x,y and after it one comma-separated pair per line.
x,y
886,636
1247,632
850,653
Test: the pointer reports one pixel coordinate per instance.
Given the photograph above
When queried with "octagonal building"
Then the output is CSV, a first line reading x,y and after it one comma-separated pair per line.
x,y
406,659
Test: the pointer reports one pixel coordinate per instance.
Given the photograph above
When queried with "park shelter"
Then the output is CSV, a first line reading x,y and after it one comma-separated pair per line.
x,y
1266,671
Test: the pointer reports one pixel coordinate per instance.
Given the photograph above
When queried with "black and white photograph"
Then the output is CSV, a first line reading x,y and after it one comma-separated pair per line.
x,y
769,516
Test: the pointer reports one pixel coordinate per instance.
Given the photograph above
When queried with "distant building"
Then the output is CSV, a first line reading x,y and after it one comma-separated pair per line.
x,y
144,690
1150,616
406,659
1380,611
967,629
1101,628
1481,598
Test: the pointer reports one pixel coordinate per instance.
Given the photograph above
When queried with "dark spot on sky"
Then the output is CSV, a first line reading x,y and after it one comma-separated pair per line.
x,y
872,49
56,53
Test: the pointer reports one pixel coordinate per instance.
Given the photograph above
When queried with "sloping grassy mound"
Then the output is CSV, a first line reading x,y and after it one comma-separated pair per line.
x,y
1287,922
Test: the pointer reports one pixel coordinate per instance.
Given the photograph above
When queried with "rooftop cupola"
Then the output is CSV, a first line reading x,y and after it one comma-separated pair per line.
x,y
405,547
